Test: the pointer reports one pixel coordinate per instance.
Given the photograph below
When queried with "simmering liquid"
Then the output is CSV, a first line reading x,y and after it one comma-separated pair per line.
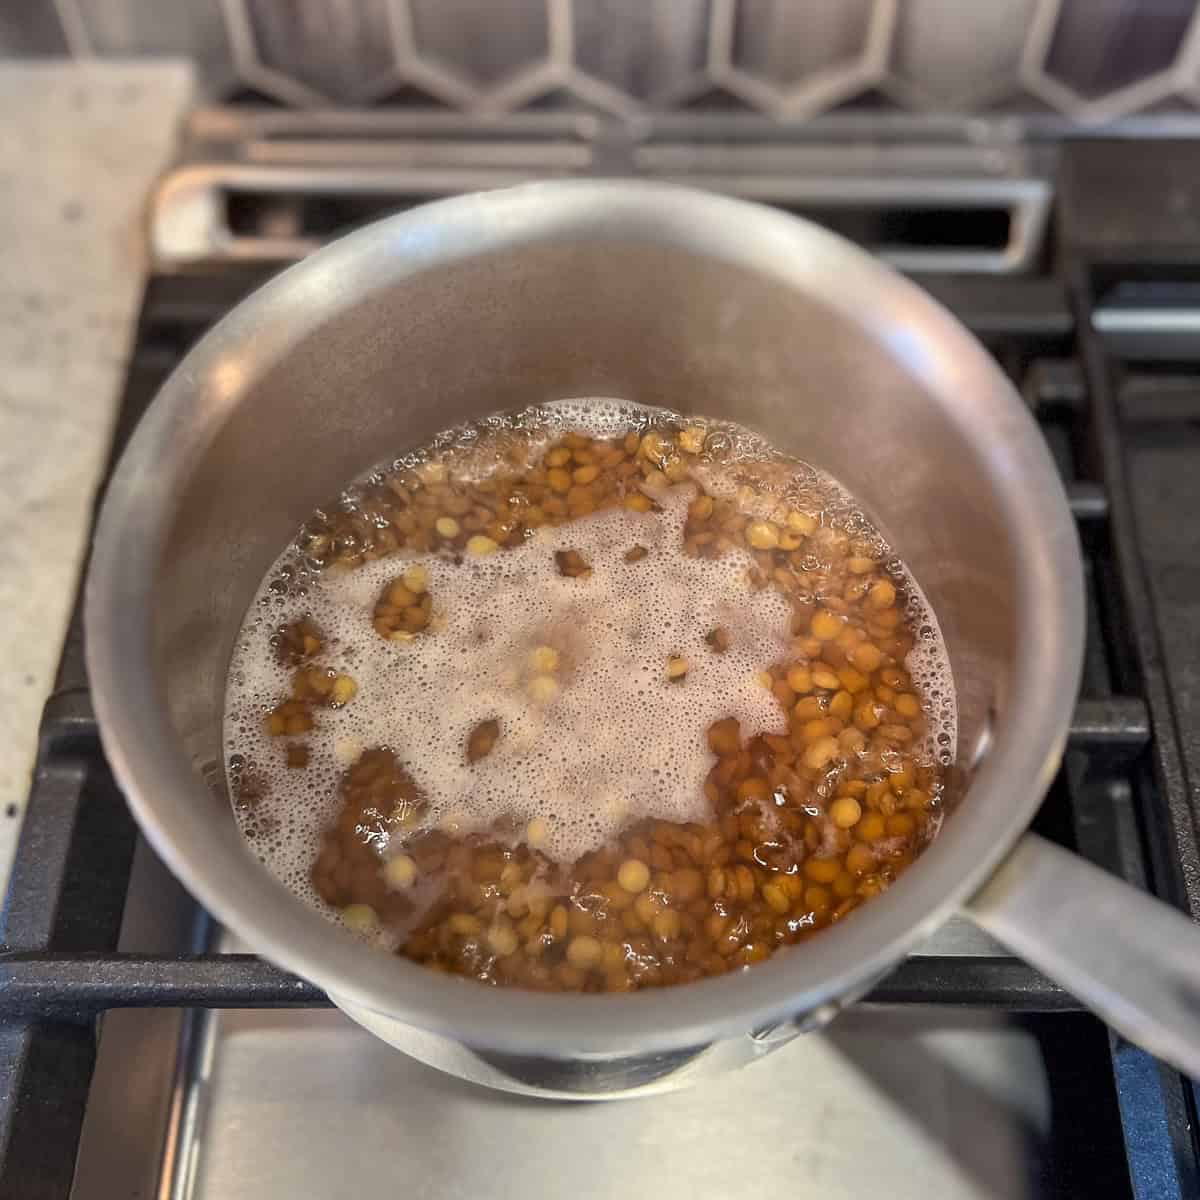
x,y
590,697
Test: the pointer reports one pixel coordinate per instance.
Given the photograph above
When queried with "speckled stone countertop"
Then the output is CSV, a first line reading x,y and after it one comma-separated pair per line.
x,y
80,147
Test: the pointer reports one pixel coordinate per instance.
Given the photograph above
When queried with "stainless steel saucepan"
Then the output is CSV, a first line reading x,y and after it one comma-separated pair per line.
x,y
665,296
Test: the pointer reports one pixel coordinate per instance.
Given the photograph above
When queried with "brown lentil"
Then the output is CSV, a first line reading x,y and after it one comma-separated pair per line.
x,y
719,639
481,739
571,564
297,642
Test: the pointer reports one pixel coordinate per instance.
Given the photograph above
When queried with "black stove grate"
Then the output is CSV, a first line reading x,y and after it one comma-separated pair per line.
x,y
1121,799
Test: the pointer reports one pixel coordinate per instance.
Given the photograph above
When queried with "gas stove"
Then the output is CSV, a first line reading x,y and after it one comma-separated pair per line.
x,y
144,1053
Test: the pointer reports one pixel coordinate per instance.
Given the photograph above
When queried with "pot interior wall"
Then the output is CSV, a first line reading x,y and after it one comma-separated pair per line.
x,y
600,317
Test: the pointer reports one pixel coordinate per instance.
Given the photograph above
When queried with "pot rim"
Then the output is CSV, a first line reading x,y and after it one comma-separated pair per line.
x,y
170,800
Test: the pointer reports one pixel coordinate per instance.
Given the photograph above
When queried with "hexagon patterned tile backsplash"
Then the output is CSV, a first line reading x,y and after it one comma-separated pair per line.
x,y
1089,60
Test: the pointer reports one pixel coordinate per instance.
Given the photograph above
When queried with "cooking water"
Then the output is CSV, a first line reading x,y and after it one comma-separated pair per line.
x,y
607,744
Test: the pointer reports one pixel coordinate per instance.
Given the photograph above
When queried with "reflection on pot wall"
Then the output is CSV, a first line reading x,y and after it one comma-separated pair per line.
x,y
1091,60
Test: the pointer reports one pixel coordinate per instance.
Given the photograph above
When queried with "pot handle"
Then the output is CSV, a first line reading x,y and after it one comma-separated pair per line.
x,y
1132,959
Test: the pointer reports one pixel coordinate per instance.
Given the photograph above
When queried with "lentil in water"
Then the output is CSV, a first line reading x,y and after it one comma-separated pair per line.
x,y
591,697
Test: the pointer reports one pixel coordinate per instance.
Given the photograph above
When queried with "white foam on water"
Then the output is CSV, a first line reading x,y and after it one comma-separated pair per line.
x,y
619,741
928,664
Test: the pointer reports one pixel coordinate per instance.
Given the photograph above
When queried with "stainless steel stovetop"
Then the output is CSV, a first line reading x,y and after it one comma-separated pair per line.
x,y
226,1104
130,1062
